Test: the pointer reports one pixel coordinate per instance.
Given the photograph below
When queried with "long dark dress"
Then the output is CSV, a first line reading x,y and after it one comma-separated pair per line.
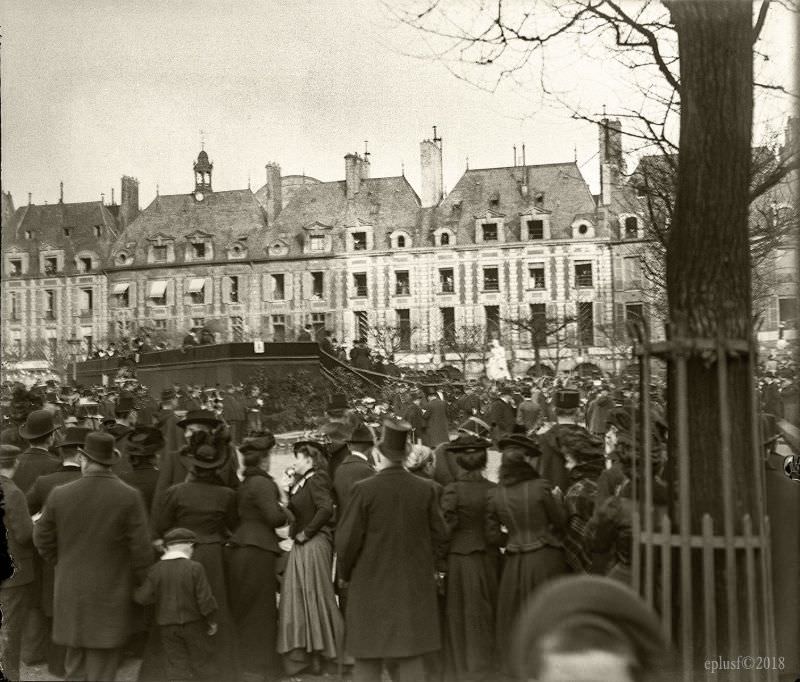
x,y
472,577
534,550
208,509
252,583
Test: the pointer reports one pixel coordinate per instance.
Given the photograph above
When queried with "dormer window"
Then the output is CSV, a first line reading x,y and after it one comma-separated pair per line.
x,y
66,232
238,250
494,199
536,229
16,266
359,241
278,249
540,200
84,264
50,265
444,240
123,259
631,227
582,229
28,234
316,242
489,232
401,242
198,250
97,231
160,254
456,208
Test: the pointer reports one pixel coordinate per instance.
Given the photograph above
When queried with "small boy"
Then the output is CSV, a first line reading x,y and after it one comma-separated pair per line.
x,y
184,608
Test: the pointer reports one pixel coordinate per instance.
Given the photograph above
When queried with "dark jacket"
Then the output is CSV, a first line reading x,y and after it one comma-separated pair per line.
x,y
415,416
34,462
180,590
385,546
204,507
167,423
534,518
38,492
312,505
19,528
144,477
352,470
501,417
232,409
528,413
260,513
121,432
95,531
437,429
464,507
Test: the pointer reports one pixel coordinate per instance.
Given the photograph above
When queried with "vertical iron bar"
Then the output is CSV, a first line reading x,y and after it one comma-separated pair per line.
x,y
750,577
768,587
666,576
727,499
649,568
687,634
636,554
709,594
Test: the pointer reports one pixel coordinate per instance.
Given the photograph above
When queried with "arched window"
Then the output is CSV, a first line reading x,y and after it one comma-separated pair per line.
x,y
401,241
631,227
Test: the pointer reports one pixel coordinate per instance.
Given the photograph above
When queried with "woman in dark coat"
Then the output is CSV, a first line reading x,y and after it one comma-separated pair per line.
x,y
252,552
524,504
204,505
310,625
472,567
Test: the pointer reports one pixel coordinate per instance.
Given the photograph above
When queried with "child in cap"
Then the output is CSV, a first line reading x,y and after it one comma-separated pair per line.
x,y
185,608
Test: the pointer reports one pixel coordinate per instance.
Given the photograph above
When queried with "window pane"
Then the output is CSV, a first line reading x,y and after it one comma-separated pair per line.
x,y
491,281
490,232
586,323
446,280
536,229
583,275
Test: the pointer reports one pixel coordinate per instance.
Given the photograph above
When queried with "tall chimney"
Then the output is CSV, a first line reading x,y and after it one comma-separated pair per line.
x,y
352,174
29,198
611,163
430,155
112,196
274,190
129,200
61,192
365,163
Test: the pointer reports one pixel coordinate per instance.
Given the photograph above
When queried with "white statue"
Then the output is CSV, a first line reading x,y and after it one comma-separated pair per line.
x,y
497,367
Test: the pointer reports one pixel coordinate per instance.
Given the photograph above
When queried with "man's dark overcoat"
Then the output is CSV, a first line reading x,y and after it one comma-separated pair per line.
x,y
501,417
144,477
95,531
34,462
352,470
437,428
385,550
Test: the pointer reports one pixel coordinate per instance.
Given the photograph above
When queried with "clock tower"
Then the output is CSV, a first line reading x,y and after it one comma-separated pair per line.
x,y
202,175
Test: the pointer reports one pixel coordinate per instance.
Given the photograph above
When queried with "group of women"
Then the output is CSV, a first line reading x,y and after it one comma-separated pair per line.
x,y
506,539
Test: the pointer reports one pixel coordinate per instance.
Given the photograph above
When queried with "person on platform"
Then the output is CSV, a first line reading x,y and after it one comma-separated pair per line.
x,y
385,546
252,553
310,626
437,426
144,444
70,470
586,628
94,530
190,339
15,589
473,566
204,505
535,520
185,608
355,467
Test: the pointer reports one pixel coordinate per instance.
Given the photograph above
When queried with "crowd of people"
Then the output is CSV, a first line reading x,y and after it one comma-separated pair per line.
x,y
154,529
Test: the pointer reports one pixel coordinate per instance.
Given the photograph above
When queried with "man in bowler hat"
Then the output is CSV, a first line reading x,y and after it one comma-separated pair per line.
x,y
356,466
95,532
385,545
15,590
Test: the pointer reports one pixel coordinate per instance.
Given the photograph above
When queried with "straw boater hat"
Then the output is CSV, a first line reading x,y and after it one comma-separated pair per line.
x,y
99,447
393,442
468,443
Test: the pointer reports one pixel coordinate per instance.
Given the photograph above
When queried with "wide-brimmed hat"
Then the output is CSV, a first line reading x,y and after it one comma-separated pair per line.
x,y
262,443
393,442
74,436
522,441
308,440
8,455
179,535
335,431
38,425
475,427
466,442
567,399
144,441
207,457
362,434
199,417
99,447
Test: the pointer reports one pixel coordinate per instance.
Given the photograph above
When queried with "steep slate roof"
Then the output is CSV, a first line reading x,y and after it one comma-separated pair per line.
x,y
228,216
386,204
47,223
566,196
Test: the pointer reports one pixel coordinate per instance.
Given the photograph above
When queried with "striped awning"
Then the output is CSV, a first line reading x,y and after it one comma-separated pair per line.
x,y
120,288
196,285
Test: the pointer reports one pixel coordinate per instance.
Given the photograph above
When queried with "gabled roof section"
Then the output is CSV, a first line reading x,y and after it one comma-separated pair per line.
x,y
223,217
560,187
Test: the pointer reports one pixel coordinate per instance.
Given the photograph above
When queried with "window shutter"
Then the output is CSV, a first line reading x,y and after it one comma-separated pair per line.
x,y
619,320
266,287
288,286
208,291
619,265
771,318
226,289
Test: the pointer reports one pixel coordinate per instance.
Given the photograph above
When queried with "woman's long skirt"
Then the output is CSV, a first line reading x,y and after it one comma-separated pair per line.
x,y
470,605
252,589
310,621
523,572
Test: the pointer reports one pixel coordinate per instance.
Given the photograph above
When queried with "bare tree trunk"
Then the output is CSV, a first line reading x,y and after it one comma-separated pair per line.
x,y
708,261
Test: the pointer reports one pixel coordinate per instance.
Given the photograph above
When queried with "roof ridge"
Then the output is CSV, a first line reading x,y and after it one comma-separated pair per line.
x,y
537,165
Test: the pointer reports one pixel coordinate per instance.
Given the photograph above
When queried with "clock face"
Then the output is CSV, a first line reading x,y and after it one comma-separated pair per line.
x,y
198,196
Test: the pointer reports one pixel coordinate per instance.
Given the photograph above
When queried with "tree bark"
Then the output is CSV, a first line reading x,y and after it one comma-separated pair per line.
x,y
708,262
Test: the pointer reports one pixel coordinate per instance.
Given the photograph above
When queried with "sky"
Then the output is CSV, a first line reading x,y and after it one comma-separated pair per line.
x,y
96,89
